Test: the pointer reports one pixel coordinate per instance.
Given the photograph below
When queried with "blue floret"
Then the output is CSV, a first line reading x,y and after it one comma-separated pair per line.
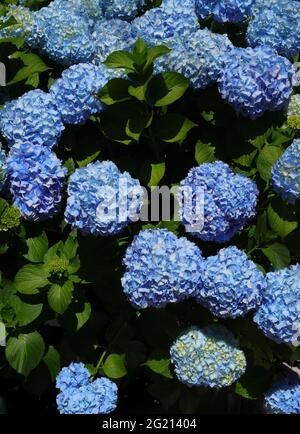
x,y
102,200
286,173
207,357
279,314
161,269
284,397
231,284
3,168
233,11
215,203
73,376
123,9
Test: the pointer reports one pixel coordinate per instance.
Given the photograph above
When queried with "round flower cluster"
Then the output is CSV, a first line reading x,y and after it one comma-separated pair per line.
x,y
102,200
75,93
162,26
200,58
286,173
293,112
215,203
123,9
112,35
279,314
222,11
2,168
284,397
80,396
23,19
256,80
31,118
161,269
207,357
231,284
36,179
276,23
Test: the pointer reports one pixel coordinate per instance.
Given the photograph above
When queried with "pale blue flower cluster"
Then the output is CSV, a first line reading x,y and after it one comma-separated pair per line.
x,y
286,173
207,357
80,396
229,201
232,284
284,397
75,93
102,200
2,167
161,269
233,11
256,80
199,58
22,18
33,118
279,314
276,23
36,179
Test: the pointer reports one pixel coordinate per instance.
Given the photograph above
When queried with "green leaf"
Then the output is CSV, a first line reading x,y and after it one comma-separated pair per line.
x,y
137,92
25,313
246,160
88,160
25,352
30,278
52,252
155,52
166,88
37,247
266,159
157,173
120,59
279,225
278,254
33,65
52,360
114,366
60,297
173,127
69,248
33,80
161,367
83,317
116,90
204,152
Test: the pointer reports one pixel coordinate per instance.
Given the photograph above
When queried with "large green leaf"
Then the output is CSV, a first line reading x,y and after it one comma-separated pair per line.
x,y
25,312
173,127
266,159
84,315
120,59
33,65
204,152
37,247
166,88
60,297
279,225
278,254
25,352
114,366
30,278
157,173
161,367
52,360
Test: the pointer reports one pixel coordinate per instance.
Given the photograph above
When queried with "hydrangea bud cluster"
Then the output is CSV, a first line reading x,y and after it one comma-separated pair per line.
x,y
102,200
207,357
279,314
80,396
293,112
36,179
229,201
161,269
232,284
286,173
233,11
284,397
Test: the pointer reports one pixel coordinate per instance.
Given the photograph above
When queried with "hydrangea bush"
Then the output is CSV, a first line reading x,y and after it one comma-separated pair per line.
x,y
149,206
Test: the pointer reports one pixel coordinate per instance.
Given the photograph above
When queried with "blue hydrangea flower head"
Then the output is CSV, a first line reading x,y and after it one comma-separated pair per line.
x,y
2,168
286,173
293,112
233,11
112,35
161,269
279,314
36,179
256,80
33,118
276,23
215,203
22,27
102,200
284,397
207,357
123,9
75,93
200,58
159,26
231,284
73,376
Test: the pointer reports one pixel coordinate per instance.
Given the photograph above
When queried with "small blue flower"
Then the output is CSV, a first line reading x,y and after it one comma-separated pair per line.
x,y
73,376
161,269
102,200
36,179
276,23
256,80
286,173
284,397
3,168
223,11
215,203
123,9
31,118
231,284
207,357
279,314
